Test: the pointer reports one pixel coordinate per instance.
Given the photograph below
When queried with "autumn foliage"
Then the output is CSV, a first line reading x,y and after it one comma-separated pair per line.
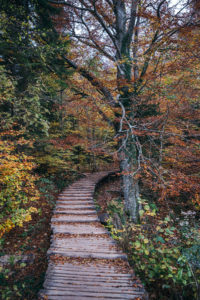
x,y
104,85
17,184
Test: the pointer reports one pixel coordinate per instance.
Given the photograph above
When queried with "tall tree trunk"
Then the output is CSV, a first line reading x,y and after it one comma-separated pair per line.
x,y
128,167
128,155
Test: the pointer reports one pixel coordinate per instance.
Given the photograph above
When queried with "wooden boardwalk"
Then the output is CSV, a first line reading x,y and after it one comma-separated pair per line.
x,y
84,261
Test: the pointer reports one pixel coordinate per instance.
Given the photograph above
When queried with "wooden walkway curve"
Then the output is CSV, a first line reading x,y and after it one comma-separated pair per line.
x,y
84,261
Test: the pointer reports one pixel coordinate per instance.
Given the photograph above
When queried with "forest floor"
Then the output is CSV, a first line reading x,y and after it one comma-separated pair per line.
x,y
23,280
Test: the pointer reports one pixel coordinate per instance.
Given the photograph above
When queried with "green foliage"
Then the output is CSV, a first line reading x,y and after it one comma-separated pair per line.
x,y
20,289
116,206
26,26
29,100
7,98
165,255
51,159
34,75
54,163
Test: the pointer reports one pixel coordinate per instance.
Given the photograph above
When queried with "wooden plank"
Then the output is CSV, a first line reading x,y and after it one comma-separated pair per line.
x,y
71,218
82,283
90,279
93,266
51,297
75,205
112,295
111,278
75,212
72,208
77,202
84,254
87,270
93,288
84,241
77,229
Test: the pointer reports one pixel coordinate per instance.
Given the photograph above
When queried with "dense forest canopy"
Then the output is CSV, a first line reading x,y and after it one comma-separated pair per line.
x,y
139,45
88,85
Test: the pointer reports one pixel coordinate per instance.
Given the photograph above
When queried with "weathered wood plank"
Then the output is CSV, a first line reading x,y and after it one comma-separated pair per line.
x,y
84,254
92,240
94,289
77,229
75,202
112,295
91,279
71,218
74,212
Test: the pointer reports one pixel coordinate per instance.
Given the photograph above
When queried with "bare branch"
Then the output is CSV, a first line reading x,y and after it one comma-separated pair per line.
x,y
159,8
132,22
70,5
96,45
104,26
110,3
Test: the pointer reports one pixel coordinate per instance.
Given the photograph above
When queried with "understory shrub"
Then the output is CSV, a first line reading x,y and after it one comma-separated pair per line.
x,y
165,254
17,185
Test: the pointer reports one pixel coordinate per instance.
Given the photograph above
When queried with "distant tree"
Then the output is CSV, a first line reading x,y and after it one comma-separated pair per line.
x,y
31,53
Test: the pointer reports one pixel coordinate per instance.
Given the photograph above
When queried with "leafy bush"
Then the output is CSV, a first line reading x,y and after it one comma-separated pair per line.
x,y
166,256
17,185
23,288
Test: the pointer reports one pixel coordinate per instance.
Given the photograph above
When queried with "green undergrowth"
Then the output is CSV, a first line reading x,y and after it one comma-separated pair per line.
x,y
25,287
163,249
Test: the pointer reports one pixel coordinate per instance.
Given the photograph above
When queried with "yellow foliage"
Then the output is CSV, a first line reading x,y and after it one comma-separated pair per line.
x,y
17,186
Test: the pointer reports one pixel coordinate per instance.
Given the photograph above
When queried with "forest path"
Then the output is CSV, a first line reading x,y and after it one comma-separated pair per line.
x,y
84,261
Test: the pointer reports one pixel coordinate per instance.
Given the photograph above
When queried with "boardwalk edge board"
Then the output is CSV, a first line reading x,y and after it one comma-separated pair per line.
x,y
84,262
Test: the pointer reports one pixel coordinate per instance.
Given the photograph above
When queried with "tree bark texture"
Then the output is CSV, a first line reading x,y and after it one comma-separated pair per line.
x,y
128,167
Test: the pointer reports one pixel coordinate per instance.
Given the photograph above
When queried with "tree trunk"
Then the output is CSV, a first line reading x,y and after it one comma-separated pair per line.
x,y
131,191
128,166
